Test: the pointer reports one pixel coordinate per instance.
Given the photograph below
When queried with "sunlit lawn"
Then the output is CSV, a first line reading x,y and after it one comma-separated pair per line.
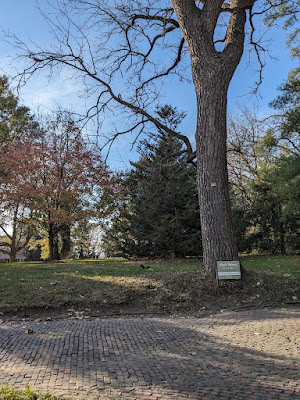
x,y
282,265
111,282
106,281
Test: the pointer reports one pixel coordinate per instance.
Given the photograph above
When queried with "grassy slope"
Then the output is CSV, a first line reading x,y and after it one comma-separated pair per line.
x,y
115,285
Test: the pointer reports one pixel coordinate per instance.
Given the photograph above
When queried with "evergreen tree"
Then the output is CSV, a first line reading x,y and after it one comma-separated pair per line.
x,y
289,103
276,211
118,239
265,175
279,187
160,216
165,200
16,121
288,177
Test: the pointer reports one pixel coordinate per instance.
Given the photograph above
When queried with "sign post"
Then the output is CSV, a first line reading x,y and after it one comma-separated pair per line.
x,y
228,270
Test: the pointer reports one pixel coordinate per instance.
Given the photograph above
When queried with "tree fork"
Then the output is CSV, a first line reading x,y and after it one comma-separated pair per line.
x,y
212,72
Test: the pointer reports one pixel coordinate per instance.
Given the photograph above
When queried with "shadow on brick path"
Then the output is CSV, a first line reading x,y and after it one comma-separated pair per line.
x,y
234,355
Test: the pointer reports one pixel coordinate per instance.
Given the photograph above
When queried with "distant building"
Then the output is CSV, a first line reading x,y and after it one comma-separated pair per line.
x,y
4,258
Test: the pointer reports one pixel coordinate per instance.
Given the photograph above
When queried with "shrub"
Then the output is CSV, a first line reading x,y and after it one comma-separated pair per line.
x,y
9,393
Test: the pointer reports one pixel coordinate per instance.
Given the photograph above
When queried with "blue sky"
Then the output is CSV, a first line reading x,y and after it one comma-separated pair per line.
x,y
23,18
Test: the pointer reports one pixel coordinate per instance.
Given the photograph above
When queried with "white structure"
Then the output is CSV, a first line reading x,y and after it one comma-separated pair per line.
x,y
4,258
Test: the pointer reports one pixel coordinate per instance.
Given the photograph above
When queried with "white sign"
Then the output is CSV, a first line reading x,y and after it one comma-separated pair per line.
x,y
228,270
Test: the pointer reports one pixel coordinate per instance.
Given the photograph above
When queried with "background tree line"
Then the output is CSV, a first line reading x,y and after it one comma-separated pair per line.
x,y
158,216
123,51
51,179
264,168
54,185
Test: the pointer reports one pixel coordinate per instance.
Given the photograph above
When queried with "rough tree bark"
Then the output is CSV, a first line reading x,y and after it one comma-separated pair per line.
x,y
53,243
212,72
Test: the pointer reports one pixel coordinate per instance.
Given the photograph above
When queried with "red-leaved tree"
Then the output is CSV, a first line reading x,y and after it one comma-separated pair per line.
x,y
59,180
16,214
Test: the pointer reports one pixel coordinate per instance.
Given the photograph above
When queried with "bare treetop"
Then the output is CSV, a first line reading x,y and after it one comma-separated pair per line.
x,y
124,51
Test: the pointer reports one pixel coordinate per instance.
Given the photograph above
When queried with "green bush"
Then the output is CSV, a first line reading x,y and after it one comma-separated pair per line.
x,y
9,393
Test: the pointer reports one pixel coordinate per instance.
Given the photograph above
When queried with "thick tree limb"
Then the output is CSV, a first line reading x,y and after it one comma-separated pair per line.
x,y
5,231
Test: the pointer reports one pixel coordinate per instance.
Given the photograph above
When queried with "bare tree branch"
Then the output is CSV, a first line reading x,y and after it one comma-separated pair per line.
x,y
5,231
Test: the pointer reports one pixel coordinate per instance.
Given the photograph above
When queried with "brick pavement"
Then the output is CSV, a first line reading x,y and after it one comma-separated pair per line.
x,y
233,355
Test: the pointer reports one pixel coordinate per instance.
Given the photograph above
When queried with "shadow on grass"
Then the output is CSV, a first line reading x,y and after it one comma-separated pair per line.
x,y
163,287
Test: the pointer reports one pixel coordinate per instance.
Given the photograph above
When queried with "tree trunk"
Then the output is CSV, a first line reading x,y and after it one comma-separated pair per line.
x,y
13,249
212,72
281,232
66,241
53,243
12,256
216,223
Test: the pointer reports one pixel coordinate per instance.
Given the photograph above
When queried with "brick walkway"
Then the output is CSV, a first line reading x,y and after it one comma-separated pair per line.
x,y
233,355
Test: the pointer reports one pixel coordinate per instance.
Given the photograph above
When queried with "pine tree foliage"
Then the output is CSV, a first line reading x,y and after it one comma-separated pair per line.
x,y
264,168
289,12
275,212
160,217
16,121
289,103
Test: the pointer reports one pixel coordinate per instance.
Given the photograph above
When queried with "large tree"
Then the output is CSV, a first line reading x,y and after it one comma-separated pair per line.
x,y
159,216
106,42
165,202
17,125
60,179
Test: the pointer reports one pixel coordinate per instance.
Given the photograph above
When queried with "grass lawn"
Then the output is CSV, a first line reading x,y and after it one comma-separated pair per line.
x,y
117,285
282,265
9,393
